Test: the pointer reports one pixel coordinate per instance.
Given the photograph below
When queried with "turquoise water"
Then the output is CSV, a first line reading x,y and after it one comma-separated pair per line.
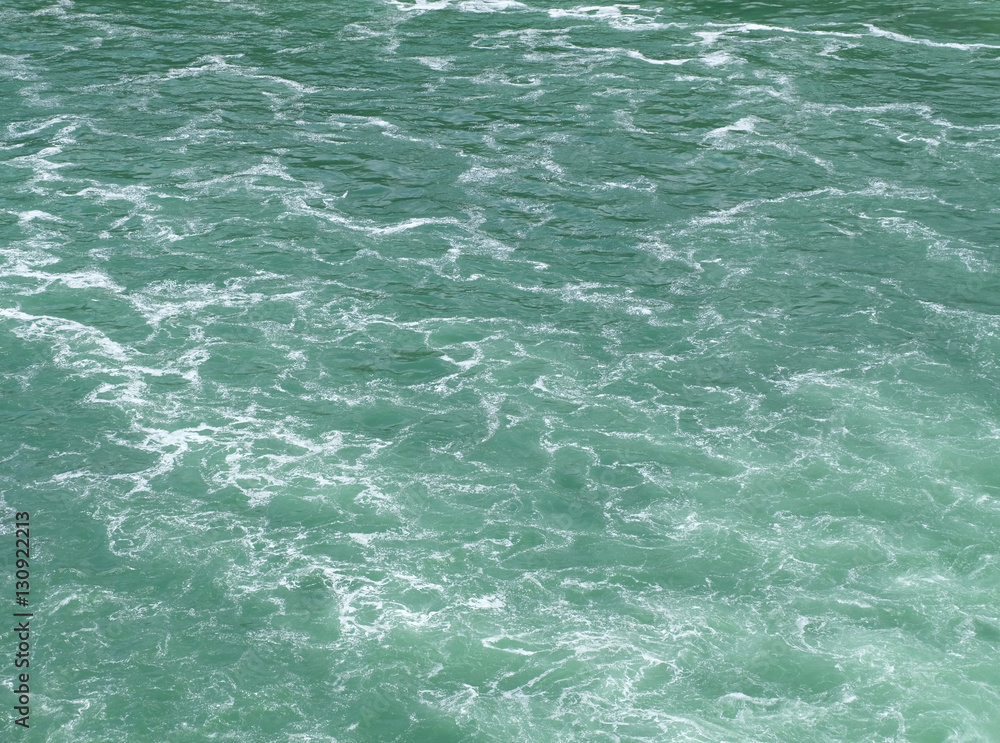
x,y
496,371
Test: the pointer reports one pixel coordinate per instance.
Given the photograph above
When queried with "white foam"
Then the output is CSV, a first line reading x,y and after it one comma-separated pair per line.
x,y
793,149
590,11
421,6
25,218
167,299
27,128
134,194
214,63
437,63
88,280
483,603
614,16
59,9
483,174
642,183
408,224
638,55
488,642
296,205
365,540
738,696
892,35
718,59
939,247
831,49
43,170
465,6
666,252
69,338
481,243
747,125
492,77
490,6
14,67
389,130
710,37
727,216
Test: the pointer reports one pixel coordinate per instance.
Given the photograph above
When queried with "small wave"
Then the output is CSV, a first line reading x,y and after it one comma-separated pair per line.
x,y
467,6
638,55
892,35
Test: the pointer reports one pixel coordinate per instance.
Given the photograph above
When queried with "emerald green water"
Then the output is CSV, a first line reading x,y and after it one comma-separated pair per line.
x,y
500,371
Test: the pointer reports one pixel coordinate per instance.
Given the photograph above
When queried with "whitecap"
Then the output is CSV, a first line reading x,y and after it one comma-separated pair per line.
x,y
638,55
483,174
42,169
486,602
710,37
489,643
27,217
62,333
437,63
13,67
490,6
747,125
614,17
892,35
717,59
421,6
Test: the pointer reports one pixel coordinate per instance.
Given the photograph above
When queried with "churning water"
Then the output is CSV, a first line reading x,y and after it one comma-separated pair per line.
x,y
482,370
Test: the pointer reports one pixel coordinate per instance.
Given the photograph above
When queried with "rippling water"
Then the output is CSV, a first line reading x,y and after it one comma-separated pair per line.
x,y
496,371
